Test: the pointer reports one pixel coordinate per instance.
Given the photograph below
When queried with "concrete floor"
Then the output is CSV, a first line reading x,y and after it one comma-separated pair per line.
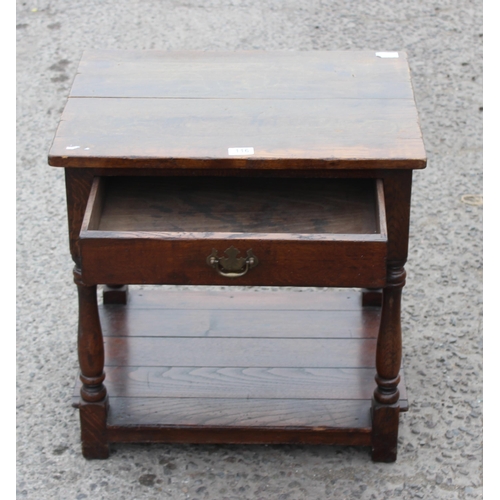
x,y
440,449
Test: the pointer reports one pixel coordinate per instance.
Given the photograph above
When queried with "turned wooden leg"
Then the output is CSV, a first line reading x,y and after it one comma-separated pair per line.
x,y
385,403
115,294
94,402
371,297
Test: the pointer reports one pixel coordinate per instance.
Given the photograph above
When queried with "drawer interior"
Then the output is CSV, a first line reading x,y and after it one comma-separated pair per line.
x,y
237,205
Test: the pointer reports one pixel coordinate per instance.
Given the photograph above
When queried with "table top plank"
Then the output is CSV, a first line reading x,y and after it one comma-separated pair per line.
x,y
242,75
185,133
185,110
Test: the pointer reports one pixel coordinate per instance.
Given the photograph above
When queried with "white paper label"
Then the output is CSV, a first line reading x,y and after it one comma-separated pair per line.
x,y
239,151
387,55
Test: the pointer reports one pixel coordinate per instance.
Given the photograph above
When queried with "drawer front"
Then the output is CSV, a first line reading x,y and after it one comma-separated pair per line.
x,y
131,255
281,263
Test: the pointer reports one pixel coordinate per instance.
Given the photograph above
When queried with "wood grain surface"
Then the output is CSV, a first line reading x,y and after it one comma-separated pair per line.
x,y
118,258
193,133
242,382
311,232
242,388
217,368
297,110
252,379
243,300
336,206
291,319
246,74
239,323
254,352
233,412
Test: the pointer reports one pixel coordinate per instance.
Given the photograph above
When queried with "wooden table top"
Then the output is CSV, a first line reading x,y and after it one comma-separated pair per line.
x,y
240,110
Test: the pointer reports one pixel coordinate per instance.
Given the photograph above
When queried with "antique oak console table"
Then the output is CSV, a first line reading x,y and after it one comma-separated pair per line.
x,y
240,168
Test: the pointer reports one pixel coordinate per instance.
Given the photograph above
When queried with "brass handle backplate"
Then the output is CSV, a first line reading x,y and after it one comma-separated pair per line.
x,y
232,266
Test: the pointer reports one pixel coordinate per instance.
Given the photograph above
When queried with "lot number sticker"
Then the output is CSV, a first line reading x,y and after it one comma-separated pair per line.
x,y
239,151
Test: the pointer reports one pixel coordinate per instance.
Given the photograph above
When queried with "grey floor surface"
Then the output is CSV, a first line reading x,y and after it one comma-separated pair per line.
x,y
440,445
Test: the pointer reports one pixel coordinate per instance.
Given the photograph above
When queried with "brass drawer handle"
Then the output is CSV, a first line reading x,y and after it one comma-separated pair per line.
x,y
232,266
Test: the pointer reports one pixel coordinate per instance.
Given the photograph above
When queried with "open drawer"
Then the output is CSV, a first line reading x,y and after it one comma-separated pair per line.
x,y
235,231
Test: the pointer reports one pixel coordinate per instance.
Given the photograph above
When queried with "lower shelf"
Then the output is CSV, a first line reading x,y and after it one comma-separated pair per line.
x,y
240,367
239,421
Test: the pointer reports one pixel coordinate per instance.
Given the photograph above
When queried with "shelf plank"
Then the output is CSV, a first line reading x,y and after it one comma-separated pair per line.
x,y
243,383
128,322
239,352
228,412
244,300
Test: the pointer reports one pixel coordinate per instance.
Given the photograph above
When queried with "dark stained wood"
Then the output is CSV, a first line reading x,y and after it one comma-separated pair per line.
x,y
96,200
288,257
90,343
245,300
118,321
257,74
372,297
380,212
386,407
227,412
242,382
113,258
115,294
193,133
154,401
385,424
159,351
389,340
239,435
94,434
386,398
239,381
336,206
78,185
372,173
397,193
324,200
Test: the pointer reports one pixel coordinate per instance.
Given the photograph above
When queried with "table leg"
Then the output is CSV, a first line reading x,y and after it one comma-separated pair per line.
x,y
94,402
385,403
371,297
115,294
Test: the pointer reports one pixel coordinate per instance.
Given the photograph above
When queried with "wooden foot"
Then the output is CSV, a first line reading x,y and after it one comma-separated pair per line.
x,y
371,297
115,294
93,429
385,423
